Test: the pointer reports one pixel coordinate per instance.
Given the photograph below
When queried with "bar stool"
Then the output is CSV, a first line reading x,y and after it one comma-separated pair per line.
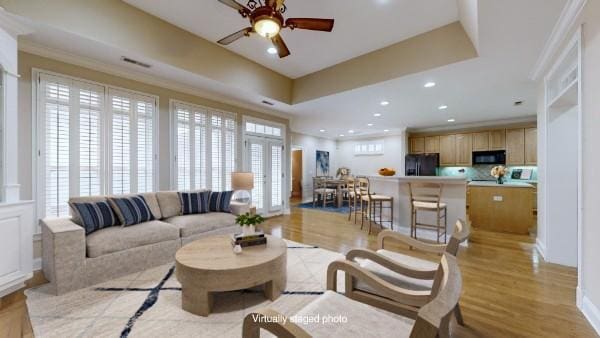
x,y
320,190
351,184
426,197
374,202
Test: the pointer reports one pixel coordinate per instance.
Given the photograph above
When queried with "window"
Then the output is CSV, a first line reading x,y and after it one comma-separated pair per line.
x,y
205,142
91,141
369,148
261,129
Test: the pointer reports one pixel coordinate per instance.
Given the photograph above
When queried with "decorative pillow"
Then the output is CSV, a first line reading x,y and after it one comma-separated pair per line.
x,y
220,201
131,210
94,216
194,202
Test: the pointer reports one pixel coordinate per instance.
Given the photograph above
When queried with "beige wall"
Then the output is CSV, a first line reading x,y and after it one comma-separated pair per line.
x,y
29,61
117,24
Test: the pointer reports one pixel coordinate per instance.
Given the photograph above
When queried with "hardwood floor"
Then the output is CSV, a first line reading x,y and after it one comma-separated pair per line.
x,y
509,291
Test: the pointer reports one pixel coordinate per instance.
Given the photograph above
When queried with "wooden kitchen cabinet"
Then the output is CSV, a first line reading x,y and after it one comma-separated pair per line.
x,y
515,146
531,146
417,145
497,139
481,141
447,150
464,149
501,209
432,144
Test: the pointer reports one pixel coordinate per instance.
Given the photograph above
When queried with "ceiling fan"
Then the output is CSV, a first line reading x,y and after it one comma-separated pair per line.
x,y
266,19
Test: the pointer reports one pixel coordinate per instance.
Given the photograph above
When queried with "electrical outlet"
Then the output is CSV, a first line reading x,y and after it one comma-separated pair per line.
x,y
498,198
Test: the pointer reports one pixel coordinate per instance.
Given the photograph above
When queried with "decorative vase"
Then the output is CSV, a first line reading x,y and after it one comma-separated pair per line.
x,y
252,229
237,249
500,180
246,230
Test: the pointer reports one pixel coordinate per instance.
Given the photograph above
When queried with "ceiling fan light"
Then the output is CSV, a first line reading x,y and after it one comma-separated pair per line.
x,y
267,27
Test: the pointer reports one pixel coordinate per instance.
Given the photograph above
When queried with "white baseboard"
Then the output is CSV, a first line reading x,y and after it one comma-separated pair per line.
x,y
591,312
541,248
579,297
37,264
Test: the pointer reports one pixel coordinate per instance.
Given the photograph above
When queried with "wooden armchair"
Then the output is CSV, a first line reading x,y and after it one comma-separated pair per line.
x,y
402,270
432,320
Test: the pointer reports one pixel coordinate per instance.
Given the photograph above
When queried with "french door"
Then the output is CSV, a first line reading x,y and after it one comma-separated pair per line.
x,y
265,159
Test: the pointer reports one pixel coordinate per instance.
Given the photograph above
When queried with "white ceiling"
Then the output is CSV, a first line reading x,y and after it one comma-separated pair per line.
x,y
361,26
511,35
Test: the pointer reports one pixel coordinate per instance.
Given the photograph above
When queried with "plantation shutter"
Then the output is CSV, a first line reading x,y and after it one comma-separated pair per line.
x,y
230,150
200,150
91,99
217,152
276,176
183,125
145,144
121,143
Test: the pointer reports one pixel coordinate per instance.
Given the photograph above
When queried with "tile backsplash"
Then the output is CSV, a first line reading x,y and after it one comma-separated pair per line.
x,y
482,172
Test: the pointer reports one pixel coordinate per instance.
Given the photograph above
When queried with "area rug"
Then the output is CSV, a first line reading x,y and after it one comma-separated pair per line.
x,y
329,208
148,303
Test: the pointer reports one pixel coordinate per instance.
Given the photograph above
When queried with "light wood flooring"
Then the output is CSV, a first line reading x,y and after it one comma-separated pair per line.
x,y
509,291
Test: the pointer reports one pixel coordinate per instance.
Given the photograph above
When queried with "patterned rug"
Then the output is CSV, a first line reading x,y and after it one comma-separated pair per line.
x,y
148,303
329,208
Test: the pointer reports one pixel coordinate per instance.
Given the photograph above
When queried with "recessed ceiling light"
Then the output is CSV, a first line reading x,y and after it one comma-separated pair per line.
x,y
341,135
451,120
386,130
351,131
385,103
370,124
377,114
429,85
322,130
272,50
443,107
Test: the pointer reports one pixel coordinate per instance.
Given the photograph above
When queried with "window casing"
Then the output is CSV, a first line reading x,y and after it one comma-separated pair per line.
x,y
204,145
91,139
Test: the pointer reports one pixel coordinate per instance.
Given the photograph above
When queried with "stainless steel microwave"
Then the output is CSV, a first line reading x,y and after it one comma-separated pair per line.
x,y
489,157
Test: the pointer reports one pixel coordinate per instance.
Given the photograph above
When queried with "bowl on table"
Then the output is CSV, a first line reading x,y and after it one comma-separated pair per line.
x,y
387,172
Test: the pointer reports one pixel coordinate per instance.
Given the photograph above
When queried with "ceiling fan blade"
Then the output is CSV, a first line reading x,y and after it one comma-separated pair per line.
x,y
325,25
282,49
235,36
234,4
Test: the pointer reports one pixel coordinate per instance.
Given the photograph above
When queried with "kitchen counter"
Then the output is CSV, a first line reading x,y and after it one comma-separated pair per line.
x,y
496,185
439,179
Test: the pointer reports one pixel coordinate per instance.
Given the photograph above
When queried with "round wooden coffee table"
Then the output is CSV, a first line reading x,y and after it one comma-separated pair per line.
x,y
209,265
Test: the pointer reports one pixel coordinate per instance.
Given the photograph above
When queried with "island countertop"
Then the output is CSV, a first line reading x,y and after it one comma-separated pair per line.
x,y
504,185
440,179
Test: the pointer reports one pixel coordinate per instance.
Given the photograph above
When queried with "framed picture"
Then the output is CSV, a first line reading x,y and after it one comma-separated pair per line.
x,y
322,163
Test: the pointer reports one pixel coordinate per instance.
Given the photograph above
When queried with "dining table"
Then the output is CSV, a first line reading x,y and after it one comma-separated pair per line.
x,y
338,184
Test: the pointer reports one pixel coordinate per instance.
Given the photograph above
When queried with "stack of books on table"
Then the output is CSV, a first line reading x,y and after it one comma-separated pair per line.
x,y
257,238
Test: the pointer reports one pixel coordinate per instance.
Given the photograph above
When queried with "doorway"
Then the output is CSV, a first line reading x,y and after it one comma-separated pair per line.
x,y
297,166
265,160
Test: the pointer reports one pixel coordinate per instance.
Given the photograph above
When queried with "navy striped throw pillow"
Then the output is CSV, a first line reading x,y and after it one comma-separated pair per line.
x,y
220,201
94,216
131,210
194,202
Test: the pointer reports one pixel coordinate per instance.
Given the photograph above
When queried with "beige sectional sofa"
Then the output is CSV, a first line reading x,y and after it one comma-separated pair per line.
x,y
72,260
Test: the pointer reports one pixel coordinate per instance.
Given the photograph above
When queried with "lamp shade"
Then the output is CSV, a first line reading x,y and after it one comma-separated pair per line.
x,y
242,181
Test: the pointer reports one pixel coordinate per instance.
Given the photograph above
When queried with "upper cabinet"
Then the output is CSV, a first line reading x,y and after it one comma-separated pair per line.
x,y
531,146
464,149
432,144
481,141
447,150
417,145
515,146
497,139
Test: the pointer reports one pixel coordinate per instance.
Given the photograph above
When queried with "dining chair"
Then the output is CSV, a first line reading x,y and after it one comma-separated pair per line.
x,y
320,190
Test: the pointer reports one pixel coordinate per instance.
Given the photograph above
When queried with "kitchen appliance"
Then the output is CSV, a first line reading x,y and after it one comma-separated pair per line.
x,y
421,165
489,157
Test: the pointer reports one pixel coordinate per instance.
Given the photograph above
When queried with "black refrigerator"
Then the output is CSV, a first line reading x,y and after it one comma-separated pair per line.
x,y
421,165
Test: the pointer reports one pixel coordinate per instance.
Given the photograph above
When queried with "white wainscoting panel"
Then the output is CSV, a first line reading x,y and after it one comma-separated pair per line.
x,y
16,252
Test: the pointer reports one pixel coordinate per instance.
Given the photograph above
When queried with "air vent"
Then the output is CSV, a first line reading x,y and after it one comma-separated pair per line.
x,y
268,103
518,103
135,62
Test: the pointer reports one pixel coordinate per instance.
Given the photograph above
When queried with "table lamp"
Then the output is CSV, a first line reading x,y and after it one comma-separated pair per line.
x,y
242,183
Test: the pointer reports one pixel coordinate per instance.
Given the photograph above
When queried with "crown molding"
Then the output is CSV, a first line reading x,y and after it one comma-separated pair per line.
x,y
565,24
12,26
59,55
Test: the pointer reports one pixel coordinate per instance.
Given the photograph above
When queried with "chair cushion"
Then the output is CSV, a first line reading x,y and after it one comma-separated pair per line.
x,y
116,239
131,210
396,278
94,216
325,191
194,202
219,201
376,197
362,320
195,224
428,205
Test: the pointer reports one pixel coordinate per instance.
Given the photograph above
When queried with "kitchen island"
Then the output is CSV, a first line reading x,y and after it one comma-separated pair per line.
x,y
454,195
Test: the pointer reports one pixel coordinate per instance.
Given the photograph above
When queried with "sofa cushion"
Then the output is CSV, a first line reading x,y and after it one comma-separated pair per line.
x,y
169,203
131,210
194,202
116,239
94,216
194,224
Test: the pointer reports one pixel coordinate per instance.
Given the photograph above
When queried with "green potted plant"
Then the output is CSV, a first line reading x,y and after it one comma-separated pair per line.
x,y
248,222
